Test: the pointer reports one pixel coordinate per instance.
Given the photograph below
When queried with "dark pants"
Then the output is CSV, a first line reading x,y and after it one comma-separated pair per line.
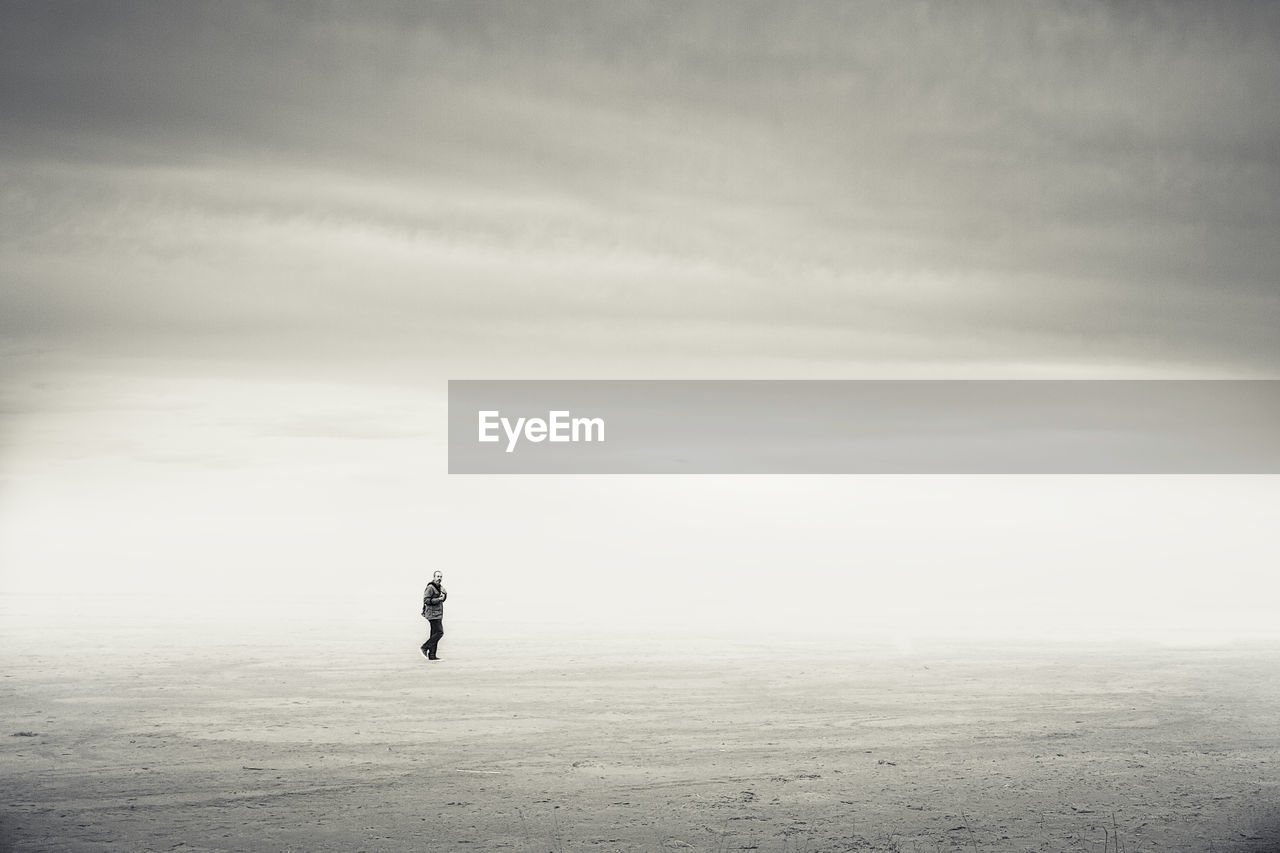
x,y
437,631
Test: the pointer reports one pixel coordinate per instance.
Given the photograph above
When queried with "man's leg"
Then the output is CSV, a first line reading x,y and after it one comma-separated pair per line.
x,y
437,631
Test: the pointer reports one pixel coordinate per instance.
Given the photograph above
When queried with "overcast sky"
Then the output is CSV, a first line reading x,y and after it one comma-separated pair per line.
x,y
242,246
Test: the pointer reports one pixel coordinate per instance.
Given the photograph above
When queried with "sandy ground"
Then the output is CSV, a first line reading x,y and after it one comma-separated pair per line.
x,y
150,741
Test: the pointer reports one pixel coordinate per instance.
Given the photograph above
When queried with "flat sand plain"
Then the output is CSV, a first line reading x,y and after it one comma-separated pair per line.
x,y
137,740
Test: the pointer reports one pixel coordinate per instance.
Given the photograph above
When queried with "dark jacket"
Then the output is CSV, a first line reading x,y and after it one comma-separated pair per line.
x,y
433,601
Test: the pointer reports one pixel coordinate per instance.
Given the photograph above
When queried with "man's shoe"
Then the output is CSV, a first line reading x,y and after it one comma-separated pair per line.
x,y
426,653
433,657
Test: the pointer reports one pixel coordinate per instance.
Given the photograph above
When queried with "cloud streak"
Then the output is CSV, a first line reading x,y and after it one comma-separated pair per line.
x,y
1048,184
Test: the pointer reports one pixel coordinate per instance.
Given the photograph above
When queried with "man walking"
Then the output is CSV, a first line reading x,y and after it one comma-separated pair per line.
x,y
433,611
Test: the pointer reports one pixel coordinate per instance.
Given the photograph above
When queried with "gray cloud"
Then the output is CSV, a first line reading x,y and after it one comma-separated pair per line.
x,y
1050,183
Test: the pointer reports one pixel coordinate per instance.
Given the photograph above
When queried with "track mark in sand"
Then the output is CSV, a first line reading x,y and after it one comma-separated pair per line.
x,y
238,798
687,783
488,772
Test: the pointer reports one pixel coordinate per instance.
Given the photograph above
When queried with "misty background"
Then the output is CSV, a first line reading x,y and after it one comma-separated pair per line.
x,y
244,246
